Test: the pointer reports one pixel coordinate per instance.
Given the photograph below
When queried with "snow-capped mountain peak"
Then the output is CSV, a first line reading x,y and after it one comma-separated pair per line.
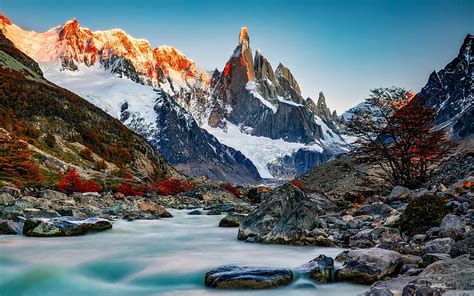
x,y
114,49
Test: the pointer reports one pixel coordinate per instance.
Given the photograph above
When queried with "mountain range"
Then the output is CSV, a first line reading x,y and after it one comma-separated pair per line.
x,y
200,123
239,124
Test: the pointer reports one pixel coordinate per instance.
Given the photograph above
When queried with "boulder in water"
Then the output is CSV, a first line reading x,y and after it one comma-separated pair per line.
x,y
320,269
231,220
285,216
64,226
237,277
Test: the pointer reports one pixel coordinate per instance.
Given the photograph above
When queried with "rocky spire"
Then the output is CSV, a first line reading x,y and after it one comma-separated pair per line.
x,y
322,106
285,77
246,52
263,68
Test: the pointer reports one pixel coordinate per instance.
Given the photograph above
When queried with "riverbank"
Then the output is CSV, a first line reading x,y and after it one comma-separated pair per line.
x,y
149,257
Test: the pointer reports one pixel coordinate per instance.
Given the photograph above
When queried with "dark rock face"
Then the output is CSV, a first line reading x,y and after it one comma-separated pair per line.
x,y
64,226
450,91
298,163
366,266
443,276
190,148
285,216
236,277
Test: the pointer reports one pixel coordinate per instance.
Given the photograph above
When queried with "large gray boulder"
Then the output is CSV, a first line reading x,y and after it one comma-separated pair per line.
x,y
285,216
439,245
443,276
366,266
237,277
451,226
64,226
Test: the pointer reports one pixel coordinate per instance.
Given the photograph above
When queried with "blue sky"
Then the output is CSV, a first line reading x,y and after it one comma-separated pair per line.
x,y
343,48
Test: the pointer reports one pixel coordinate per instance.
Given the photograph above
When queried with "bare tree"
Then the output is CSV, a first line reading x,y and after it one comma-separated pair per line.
x,y
395,132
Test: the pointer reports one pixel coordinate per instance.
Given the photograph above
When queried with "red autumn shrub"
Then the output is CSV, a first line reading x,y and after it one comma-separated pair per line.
x,y
15,158
172,186
72,182
128,189
232,189
90,186
297,183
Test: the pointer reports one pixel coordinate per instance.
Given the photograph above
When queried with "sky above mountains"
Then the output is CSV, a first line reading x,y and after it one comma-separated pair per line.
x,y
343,48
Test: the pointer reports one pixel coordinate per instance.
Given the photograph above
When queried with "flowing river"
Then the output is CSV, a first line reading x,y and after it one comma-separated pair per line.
x,y
160,257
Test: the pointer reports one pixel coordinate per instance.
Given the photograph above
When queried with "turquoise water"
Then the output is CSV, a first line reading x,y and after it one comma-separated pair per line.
x,y
162,257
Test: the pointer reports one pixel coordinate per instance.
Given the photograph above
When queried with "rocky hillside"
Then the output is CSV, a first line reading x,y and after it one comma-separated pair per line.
x,y
60,126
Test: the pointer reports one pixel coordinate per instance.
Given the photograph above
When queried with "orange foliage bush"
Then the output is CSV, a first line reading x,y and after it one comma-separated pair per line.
x,y
128,190
72,182
172,186
15,158
297,183
232,189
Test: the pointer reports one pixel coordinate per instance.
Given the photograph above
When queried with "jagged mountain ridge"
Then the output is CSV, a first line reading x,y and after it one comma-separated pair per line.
x,y
82,61
266,103
451,92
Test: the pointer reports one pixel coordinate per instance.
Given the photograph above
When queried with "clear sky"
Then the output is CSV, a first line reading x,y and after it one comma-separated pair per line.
x,y
343,48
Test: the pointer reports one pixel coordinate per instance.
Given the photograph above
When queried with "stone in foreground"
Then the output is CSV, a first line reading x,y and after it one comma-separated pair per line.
x,y
366,266
445,277
238,277
283,217
64,226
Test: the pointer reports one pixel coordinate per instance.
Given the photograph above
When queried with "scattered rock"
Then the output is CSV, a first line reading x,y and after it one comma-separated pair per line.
x,y
433,257
374,209
439,245
231,220
443,276
390,287
451,226
64,226
15,192
320,269
398,193
6,199
366,266
236,277
465,246
51,194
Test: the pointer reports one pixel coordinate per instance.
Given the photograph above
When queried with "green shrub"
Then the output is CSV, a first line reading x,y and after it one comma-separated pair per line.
x,y
422,213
